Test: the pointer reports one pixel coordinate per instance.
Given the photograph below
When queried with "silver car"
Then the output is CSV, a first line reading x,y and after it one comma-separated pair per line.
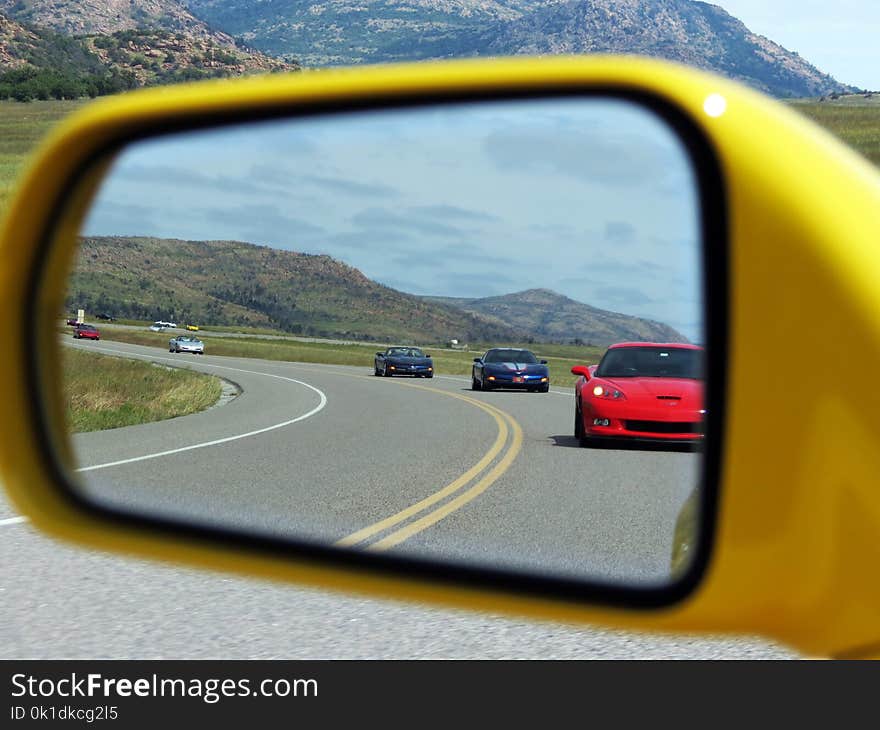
x,y
186,343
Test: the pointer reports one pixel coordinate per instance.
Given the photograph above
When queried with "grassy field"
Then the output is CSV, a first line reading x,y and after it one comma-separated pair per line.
x,y
854,119
22,126
108,392
446,362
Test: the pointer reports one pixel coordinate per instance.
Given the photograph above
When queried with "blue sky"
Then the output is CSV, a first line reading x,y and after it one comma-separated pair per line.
x,y
591,198
841,37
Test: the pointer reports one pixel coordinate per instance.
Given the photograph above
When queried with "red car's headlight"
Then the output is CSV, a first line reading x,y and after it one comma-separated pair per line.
x,y
601,391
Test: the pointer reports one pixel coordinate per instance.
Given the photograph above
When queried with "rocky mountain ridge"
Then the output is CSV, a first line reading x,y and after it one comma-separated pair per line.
x,y
334,32
40,62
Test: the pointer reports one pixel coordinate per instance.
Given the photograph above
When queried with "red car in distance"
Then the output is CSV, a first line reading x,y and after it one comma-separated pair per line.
x,y
86,332
645,391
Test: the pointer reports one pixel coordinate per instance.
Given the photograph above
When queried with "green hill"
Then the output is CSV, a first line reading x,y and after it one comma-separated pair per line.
x,y
551,317
229,283
42,64
155,56
234,283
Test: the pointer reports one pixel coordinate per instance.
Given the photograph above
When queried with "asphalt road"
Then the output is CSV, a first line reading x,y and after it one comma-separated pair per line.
x,y
324,453
328,451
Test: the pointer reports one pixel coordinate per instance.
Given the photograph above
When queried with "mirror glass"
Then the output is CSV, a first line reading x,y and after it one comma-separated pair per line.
x,y
332,328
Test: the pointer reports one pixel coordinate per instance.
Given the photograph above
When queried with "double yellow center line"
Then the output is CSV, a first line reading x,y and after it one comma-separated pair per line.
x,y
507,427
480,476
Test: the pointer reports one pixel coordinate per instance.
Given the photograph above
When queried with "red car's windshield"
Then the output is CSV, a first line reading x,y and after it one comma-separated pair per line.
x,y
651,362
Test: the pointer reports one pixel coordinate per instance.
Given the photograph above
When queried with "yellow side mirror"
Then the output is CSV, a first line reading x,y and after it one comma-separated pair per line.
x,y
659,190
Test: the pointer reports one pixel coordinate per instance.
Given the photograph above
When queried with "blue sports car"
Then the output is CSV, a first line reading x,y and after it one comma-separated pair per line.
x,y
504,367
403,361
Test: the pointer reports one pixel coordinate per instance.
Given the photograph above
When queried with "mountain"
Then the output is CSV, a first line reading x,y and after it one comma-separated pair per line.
x,y
234,283
159,41
367,31
12,37
156,56
38,62
370,31
695,33
24,46
102,17
551,317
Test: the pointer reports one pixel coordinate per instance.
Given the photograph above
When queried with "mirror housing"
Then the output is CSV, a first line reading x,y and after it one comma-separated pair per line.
x,y
581,370
797,502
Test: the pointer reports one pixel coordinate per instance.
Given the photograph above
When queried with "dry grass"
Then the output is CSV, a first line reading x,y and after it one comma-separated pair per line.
x,y
103,392
22,126
853,119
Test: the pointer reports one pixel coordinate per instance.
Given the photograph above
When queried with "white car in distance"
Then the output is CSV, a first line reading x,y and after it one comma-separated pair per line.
x,y
161,325
186,343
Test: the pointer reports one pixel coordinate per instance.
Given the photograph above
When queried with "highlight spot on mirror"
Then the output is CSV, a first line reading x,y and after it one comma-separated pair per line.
x,y
715,105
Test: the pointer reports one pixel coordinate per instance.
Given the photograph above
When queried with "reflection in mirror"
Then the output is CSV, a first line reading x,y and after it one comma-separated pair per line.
x,y
360,330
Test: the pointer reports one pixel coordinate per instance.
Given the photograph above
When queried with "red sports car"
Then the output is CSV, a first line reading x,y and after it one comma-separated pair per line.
x,y
642,391
86,332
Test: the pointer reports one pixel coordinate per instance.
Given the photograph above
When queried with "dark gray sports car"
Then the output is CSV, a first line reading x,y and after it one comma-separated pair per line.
x,y
403,361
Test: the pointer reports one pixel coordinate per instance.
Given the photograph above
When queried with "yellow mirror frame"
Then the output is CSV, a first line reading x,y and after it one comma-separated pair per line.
x,y
795,549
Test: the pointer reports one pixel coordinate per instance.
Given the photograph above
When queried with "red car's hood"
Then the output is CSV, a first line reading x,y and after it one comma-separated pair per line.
x,y
686,392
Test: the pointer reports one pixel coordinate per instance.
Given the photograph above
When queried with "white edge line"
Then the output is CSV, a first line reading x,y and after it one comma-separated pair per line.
x,y
215,442
13,521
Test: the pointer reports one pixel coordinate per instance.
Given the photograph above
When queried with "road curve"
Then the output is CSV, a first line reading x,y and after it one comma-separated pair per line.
x,y
333,454
71,602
